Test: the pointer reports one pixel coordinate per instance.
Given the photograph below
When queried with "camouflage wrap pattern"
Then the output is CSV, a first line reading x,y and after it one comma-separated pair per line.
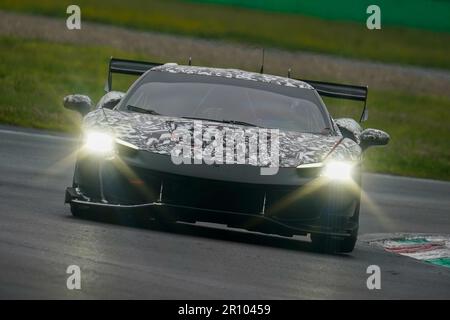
x,y
375,135
234,74
157,134
350,125
77,99
111,97
347,150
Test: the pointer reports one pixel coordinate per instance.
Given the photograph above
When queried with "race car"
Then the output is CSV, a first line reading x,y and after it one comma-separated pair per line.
x,y
248,150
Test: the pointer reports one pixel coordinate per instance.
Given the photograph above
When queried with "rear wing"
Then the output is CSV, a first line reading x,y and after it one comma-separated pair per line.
x,y
328,89
342,91
130,67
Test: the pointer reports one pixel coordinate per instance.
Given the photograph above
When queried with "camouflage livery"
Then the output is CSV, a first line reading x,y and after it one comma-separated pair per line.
x,y
233,74
156,134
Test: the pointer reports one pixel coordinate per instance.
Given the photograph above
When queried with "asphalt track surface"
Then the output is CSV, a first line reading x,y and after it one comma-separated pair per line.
x,y
39,239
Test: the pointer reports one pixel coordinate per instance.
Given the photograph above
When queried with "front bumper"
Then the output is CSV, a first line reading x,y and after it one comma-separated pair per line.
x,y
340,226
290,203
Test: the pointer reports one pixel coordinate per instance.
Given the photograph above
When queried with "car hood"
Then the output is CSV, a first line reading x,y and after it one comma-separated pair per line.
x,y
156,134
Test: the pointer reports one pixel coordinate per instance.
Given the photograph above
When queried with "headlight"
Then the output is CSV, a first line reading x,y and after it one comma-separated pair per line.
x,y
338,170
99,142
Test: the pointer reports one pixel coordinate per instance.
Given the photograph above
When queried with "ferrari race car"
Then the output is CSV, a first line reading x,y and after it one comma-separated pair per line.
x,y
244,149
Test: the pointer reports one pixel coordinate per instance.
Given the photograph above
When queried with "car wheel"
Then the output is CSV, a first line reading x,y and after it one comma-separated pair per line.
x,y
330,244
79,211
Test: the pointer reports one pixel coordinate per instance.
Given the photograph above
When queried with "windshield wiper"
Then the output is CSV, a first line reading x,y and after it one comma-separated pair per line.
x,y
224,121
243,123
200,118
143,110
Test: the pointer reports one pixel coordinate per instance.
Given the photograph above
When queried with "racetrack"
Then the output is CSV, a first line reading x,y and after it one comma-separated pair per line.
x,y
39,239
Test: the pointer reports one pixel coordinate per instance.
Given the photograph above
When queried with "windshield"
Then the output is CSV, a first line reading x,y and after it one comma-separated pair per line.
x,y
221,99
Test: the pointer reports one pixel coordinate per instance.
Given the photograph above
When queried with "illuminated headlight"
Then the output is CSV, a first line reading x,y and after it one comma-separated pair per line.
x,y
100,143
337,170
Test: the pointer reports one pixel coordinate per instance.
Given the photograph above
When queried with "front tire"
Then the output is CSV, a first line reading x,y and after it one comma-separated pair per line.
x,y
327,243
79,211
330,244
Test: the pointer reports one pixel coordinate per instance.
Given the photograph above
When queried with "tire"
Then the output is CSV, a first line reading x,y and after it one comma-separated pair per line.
x,y
330,244
326,243
79,211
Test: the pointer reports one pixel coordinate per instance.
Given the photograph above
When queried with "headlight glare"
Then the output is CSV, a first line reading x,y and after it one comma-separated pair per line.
x,y
337,170
99,142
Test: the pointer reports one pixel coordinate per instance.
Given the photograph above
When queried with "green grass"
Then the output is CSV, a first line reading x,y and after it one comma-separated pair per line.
x,y
33,83
350,39
419,130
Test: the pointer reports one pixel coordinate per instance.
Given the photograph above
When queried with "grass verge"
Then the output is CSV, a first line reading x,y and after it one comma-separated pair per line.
x,y
350,39
36,75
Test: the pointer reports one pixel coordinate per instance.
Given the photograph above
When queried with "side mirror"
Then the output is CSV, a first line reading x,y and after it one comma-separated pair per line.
x,y
78,102
110,100
349,128
373,137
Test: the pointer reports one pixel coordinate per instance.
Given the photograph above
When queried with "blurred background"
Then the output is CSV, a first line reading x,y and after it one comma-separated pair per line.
x,y
406,64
